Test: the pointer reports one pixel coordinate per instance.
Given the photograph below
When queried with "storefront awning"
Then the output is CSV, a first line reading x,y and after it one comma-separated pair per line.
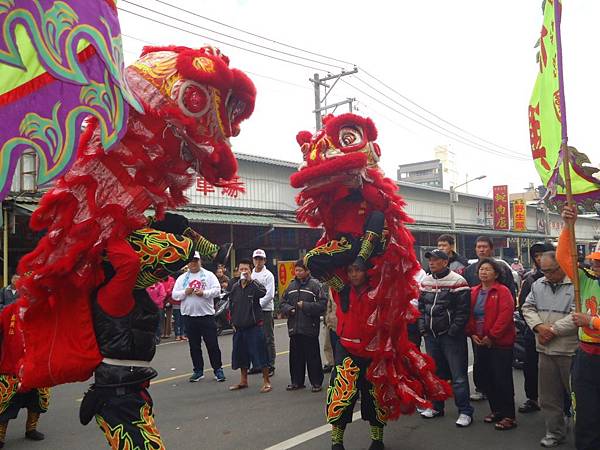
x,y
238,218
478,231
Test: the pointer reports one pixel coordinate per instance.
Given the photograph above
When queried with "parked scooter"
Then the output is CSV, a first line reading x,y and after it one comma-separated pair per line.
x,y
222,313
519,346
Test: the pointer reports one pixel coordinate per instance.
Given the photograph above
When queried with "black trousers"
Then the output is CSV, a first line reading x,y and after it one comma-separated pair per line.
x,y
496,379
585,382
200,328
348,382
305,354
477,374
530,368
128,422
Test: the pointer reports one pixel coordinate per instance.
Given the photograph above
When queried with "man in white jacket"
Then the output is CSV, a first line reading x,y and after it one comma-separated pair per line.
x,y
266,278
197,289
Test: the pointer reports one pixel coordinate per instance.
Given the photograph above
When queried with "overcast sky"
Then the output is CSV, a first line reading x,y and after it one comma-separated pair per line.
x,y
471,62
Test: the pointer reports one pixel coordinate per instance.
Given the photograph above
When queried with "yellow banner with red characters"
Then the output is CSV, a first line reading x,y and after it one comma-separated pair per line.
x,y
286,273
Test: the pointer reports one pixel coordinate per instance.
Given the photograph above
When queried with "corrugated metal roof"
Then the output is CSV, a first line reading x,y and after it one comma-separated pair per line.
x,y
237,218
477,231
264,160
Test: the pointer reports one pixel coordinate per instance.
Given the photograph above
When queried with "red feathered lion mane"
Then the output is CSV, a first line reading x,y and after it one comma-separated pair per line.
x,y
341,158
193,104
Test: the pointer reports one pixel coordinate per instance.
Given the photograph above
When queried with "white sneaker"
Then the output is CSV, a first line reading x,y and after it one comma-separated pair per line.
x,y
464,420
551,441
477,396
431,413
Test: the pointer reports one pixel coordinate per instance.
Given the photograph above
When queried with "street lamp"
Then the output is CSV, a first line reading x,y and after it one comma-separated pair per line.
x,y
454,199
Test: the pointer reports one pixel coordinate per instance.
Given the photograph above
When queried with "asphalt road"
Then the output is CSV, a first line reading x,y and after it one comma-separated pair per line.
x,y
206,415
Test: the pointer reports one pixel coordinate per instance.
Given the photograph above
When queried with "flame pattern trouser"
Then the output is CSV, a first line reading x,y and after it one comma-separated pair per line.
x,y
11,401
128,421
349,382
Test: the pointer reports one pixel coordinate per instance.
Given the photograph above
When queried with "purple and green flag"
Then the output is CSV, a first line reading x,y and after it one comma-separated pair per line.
x,y
548,121
60,62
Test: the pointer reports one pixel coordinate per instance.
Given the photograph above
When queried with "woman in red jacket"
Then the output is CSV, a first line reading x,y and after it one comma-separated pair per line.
x,y
492,330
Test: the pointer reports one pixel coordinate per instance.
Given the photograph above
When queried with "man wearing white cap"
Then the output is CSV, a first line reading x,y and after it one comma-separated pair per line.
x,y
266,278
197,289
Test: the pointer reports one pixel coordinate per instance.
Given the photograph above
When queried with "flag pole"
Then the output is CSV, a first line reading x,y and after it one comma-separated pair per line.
x,y
566,153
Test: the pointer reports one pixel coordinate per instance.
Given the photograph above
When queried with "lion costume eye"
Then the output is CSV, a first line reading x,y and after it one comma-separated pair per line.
x,y
193,99
350,136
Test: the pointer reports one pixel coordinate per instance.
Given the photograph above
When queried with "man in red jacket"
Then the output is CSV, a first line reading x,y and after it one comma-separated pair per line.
x,y
349,376
35,400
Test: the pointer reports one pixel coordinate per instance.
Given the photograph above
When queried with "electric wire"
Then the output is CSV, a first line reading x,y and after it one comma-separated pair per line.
x,y
420,116
219,41
434,114
404,97
229,36
452,134
253,34
449,136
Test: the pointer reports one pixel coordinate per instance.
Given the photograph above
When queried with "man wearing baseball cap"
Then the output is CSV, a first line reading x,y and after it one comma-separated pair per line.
x,y
266,278
585,374
445,305
197,289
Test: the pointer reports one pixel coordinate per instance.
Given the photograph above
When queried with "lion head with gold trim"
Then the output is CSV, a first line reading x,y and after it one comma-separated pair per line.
x,y
200,98
342,152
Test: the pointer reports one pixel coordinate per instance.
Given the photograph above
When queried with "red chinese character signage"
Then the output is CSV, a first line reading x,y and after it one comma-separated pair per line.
x,y
204,186
519,215
501,210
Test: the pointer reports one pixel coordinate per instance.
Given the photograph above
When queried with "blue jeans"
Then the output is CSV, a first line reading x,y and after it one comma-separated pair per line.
x,y
450,356
179,326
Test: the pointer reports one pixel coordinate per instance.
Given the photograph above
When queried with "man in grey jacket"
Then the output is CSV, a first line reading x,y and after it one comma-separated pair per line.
x,y
9,294
547,311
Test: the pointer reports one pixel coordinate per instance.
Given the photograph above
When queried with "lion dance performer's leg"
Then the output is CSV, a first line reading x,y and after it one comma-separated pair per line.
x,y
11,402
127,420
348,382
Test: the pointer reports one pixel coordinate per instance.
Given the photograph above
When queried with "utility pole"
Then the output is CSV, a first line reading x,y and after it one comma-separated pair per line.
x,y
319,82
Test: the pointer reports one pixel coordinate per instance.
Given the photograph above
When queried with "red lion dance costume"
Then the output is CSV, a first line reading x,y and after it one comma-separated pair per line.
x,y
85,281
345,192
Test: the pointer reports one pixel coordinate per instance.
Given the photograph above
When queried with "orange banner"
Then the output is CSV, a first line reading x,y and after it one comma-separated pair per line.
x,y
501,209
519,215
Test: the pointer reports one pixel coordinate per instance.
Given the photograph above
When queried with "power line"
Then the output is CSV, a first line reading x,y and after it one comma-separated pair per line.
x,y
434,114
253,34
221,42
229,36
433,123
454,138
453,135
